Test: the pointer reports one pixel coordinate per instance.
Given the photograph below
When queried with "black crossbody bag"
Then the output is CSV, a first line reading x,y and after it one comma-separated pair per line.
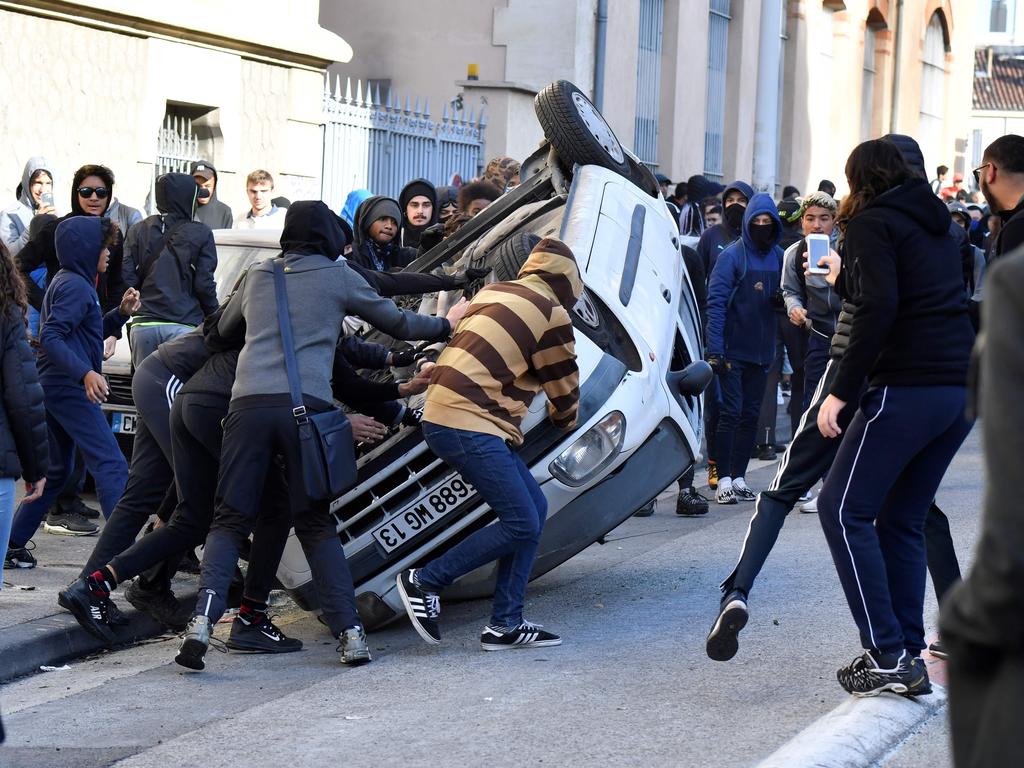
x,y
325,439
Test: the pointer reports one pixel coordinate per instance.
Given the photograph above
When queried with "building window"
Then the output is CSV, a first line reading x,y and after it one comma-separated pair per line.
x,y
867,86
933,91
648,81
718,55
997,17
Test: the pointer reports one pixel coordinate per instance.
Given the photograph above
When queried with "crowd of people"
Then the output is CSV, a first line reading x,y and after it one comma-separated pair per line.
x,y
872,338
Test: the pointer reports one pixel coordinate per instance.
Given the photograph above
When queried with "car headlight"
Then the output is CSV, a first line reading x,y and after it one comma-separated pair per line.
x,y
592,452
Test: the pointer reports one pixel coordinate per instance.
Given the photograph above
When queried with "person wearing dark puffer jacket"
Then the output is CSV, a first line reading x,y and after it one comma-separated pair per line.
x,y
911,338
170,259
23,443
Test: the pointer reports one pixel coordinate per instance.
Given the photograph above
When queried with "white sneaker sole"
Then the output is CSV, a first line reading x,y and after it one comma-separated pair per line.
x,y
536,644
59,530
427,637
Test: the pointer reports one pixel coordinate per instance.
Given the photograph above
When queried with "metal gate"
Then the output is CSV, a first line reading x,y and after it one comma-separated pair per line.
x,y
381,144
176,149
718,54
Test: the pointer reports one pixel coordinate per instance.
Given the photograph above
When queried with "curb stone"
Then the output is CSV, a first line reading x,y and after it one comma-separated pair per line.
x,y
54,640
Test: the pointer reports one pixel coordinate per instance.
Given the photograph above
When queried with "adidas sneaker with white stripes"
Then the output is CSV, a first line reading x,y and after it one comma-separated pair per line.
x,y
526,635
423,607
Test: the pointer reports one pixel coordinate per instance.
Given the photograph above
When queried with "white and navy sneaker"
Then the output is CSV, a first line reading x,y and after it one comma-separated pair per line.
x,y
723,639
423,607
725,493
741,491
526,635
194,644
873,674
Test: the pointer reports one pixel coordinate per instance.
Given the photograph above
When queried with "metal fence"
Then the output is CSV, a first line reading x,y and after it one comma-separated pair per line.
x,y
380,144
648,81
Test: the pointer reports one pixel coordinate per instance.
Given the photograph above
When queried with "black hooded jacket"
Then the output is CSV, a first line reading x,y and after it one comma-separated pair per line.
x,y
110,286
903,272
214,214
389,256
409,236
24,448
171,259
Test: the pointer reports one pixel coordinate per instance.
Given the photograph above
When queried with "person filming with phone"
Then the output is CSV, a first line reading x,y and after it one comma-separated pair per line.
x,y
811,302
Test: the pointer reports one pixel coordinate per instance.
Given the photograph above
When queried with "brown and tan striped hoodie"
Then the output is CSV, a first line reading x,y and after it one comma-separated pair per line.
x,y
515,339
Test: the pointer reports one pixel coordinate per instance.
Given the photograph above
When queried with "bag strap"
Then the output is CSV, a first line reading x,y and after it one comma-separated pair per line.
x,y
290,364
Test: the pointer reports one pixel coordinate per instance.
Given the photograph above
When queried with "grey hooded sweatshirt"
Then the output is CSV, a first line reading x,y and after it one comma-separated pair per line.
x,y
14,221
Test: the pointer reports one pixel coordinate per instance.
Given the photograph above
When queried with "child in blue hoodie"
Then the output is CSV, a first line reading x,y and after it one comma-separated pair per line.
x,y
71,335
743,294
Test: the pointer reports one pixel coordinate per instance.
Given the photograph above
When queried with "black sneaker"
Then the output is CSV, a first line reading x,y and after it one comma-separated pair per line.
x,y
423,607
77,506
865,676
690,503
938,650
194,644
89,610
723,639
69,524
526,635
20,557
645,511
262,637
161,605
764,452
353,648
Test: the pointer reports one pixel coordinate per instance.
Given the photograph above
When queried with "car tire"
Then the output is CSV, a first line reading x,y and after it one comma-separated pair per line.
x,y
510,255
577,131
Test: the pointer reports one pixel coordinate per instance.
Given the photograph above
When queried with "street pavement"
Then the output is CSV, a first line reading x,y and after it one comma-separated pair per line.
x,y
631,684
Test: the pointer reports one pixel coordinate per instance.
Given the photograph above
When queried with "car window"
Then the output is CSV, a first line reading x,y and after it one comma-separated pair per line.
x,y
232,261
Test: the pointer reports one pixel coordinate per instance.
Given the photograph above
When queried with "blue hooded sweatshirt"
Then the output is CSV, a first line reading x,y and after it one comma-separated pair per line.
x,y
72,328
742,320
716,238
352,203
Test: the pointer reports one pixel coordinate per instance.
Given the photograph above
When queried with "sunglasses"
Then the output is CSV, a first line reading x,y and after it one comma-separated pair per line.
x,y
87,192
977,173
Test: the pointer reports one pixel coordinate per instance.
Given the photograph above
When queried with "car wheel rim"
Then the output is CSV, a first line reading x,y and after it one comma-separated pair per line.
x,y
587,312
598,128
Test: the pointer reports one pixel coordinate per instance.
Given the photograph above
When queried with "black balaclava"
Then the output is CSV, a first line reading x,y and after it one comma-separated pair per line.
x,y
733,215
763,235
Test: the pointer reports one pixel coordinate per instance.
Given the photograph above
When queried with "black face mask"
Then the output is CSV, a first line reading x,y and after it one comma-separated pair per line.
x,y
762,235
734,215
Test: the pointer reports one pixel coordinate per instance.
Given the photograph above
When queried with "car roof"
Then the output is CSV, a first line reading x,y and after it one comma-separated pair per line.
x,y
252,238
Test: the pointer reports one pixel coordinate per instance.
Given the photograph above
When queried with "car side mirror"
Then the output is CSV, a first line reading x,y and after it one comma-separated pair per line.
x,y
693,379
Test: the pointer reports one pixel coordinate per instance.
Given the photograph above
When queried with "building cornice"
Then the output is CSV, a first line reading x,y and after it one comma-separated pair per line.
x,y
221,26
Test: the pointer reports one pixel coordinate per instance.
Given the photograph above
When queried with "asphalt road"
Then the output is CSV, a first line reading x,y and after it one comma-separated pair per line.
x,y
631,684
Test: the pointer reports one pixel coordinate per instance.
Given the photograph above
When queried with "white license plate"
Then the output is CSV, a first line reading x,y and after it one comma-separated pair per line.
x,y
422,513
123,423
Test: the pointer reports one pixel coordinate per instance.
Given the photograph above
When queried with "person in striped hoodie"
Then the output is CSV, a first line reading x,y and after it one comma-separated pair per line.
x,y
515,340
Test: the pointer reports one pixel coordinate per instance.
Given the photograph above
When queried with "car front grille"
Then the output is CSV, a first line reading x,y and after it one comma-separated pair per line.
x,y
120,389
387,492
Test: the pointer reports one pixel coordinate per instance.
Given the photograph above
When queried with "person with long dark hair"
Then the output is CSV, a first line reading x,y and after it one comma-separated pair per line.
x,y
23,442
911,339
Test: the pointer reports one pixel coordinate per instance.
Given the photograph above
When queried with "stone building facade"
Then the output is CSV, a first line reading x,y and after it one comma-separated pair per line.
x,y
97,84
776,91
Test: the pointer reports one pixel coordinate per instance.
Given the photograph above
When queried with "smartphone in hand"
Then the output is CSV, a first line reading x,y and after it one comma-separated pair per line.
x,y
818,247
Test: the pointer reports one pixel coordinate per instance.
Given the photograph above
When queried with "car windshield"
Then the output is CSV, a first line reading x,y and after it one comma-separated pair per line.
x,y
232,261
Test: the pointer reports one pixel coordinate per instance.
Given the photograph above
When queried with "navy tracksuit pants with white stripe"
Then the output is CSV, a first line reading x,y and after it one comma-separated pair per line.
x,y
874,503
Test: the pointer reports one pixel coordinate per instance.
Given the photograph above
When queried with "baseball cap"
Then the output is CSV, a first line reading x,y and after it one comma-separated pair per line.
x,y
202,170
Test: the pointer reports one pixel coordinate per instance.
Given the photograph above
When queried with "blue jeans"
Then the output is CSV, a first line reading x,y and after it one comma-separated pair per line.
x,y
71,420
7,490
505,483
144,339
